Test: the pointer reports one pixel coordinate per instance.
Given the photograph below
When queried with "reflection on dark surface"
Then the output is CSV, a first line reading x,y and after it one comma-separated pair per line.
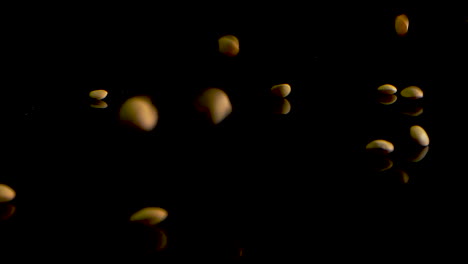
x,y
379,163
257,183
403,176
387,99
98,104
395,176
145,240
281,106
6,211
413,110
418,153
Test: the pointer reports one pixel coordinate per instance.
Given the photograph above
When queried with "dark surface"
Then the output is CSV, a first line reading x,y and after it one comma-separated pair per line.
x,y
290,185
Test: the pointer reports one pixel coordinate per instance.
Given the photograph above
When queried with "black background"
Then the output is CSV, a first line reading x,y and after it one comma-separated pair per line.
x,y
294,185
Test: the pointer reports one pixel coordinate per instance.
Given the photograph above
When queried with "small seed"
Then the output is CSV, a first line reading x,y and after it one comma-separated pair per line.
x,y
387,89
139,112
380,145
6,193
98,94
412,92
419,135
401,24
215,103
281,90
149,216
228,45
